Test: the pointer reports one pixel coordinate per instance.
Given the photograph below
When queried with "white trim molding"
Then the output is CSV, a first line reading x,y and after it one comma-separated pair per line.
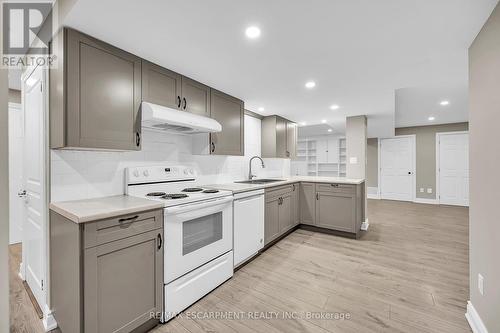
x,y
21,271
426,201
372,193
365,225
475,322
48,321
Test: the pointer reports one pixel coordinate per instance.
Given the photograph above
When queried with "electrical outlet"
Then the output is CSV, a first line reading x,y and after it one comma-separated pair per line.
x,y
421,190
429,190
480,284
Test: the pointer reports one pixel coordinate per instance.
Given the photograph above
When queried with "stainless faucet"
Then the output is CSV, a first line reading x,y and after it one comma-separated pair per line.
x,y
250,176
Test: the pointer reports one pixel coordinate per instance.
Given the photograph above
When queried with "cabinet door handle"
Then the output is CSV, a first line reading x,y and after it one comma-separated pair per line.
x,y
138,139
335,185
160,241
213,147
317,196
178,101
293,186
128,219
185,103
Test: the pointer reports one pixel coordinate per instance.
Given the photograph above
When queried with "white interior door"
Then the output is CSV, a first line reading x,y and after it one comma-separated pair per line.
x,y
397,168
333,150
16,139
322,151
453,168
34,184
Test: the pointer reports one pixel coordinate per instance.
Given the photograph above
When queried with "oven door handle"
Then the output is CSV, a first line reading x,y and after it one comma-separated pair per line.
x,y
190,207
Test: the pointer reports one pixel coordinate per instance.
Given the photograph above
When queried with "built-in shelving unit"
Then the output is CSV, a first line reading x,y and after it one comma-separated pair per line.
x,y
321,156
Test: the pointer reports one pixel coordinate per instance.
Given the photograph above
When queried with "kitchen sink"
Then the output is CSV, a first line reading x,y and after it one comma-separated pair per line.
x,y
260,181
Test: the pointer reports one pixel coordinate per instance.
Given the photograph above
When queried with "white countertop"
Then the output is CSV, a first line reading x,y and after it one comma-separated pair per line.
x,y
81,211
239,187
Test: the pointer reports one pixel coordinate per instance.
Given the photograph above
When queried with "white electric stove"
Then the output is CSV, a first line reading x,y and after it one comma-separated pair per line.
x,y
198,232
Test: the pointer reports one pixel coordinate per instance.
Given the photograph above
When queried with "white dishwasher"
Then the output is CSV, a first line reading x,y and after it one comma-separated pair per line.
x,y
248,225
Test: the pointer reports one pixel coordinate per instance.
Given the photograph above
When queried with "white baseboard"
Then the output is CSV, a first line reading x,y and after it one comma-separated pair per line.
x,y
365,225
475,322
372,193
21,270
426,201
48,321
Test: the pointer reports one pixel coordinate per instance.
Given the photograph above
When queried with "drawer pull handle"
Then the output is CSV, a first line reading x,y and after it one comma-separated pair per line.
x,y
160,241
129,219
335,185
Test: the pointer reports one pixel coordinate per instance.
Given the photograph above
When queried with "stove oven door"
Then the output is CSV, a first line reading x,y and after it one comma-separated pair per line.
x,y
196,234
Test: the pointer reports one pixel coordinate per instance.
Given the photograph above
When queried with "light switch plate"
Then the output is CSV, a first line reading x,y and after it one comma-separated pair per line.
x,y
421,190
429,190
480,284
353,160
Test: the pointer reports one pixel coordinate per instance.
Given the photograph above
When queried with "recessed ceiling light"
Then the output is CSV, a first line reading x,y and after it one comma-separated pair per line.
x,y
310,84
334,107
444,103
431,118
252,32
261,109
324,121
303,123
330,130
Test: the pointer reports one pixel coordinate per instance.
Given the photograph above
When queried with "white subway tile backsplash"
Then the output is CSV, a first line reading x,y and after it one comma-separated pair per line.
x,y
88,174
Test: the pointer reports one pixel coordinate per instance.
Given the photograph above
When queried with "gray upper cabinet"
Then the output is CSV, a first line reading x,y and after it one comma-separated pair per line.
x,y
291,139
161,86
195,97
165,87
95,94
308,203
229,112
279,137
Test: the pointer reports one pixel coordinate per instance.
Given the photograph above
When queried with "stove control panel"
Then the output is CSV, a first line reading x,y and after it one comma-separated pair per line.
x,y
154,174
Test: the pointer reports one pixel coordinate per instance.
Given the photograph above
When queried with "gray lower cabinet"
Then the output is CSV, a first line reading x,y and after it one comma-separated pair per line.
x,y
308,203
336,211
296,203
229,112
279,137
340,207
107,276
279,212
95,94
271,220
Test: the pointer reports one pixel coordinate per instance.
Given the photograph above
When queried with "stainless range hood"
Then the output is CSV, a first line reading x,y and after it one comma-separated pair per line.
x,y
166,119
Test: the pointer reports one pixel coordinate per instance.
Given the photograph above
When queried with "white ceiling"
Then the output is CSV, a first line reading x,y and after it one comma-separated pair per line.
x,y
358,52
415,105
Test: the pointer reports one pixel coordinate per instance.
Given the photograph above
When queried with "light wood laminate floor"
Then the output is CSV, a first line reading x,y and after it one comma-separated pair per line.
x,y
409,273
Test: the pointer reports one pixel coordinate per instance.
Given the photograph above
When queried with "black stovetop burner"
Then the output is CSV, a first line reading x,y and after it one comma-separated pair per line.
x,y
174,196
156,194
211,191
192,189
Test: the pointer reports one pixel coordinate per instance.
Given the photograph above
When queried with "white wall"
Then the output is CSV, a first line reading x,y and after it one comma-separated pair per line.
x,y
89,174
